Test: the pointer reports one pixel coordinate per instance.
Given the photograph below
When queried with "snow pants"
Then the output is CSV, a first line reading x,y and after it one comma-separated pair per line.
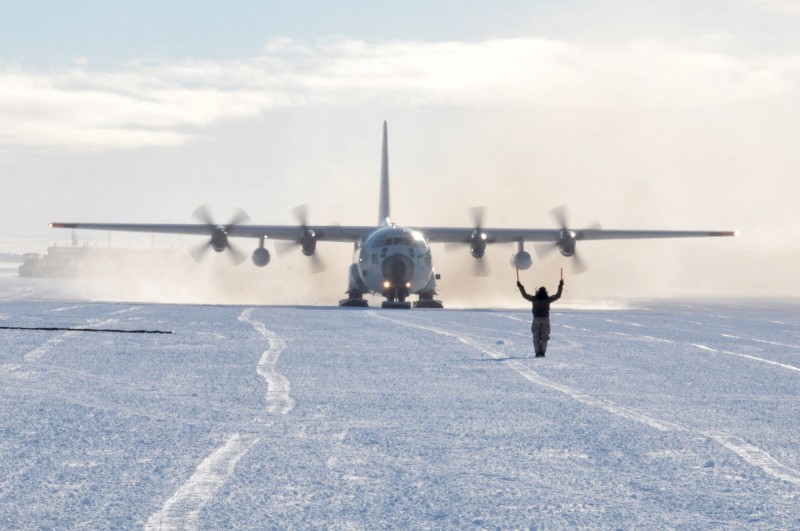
x,y
541,334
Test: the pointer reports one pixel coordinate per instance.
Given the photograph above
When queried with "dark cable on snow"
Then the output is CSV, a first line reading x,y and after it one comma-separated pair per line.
x,y
60,329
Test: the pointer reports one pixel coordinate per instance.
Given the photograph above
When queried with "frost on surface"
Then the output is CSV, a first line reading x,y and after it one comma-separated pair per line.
x,y
276,417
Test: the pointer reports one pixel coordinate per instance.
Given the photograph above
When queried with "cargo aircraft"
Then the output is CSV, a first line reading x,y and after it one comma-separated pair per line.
x,y
389,259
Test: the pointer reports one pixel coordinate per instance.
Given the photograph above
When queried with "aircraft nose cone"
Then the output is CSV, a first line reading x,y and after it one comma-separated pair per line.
x,y
398,269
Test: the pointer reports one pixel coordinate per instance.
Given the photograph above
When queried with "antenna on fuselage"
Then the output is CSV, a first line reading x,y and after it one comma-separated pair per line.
x,y
383,208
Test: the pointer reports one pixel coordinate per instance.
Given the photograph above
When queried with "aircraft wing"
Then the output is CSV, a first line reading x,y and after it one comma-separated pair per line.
x,y
463,235
335,233
600,234
341,233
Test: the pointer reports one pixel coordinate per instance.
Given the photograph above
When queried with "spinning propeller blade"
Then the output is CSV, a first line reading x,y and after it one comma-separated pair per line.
x,y
306,240
567,242
219,235
480,268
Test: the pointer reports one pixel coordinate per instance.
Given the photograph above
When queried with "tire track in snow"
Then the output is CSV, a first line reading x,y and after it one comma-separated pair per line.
x,y
756,456
774,343
182,510
38,352
532,376
278,387
711,349
719,351
126,310
748,452
747,356
65,308
47,346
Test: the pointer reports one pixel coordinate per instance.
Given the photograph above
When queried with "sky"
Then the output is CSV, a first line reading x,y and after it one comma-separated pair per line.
x,y
657,115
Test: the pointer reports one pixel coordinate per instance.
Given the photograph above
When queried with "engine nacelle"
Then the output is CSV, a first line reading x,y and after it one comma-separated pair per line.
x,y
477,244
261,257
522,260
308,242
567,243
219,240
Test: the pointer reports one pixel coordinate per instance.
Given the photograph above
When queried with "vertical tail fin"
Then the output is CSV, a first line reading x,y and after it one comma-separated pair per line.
x,y
383,208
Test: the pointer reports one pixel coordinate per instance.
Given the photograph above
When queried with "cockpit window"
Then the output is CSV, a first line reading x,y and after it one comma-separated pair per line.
x,y
410,239
397,241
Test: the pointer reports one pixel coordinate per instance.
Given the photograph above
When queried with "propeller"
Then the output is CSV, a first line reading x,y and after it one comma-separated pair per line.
x,y
219,235
566,242
307,241
477,213
477,241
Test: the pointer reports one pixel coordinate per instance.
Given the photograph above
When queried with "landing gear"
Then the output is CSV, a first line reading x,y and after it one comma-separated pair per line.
x,y
353,303
429,304
355,299
396,299
426,300
396,305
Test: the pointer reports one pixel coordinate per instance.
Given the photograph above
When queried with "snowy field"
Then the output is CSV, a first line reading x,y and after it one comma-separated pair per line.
x,y
682,415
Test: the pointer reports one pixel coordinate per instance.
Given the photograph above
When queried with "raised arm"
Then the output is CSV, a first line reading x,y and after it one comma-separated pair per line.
x,y
523,292
558,293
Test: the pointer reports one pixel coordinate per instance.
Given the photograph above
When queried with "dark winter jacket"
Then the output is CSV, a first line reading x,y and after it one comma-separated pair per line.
x,y
541,303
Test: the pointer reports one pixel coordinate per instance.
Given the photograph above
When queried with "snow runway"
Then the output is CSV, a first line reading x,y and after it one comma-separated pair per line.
x,y
327,417
748,452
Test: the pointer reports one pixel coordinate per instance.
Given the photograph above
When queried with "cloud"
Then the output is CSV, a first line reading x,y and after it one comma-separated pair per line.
x,y
170,103
83,109
789,7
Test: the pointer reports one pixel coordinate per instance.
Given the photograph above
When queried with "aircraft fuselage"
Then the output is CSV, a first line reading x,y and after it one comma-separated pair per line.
x,y
395,261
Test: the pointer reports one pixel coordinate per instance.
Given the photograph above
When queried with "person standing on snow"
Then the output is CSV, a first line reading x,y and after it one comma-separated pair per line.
x,y
541,315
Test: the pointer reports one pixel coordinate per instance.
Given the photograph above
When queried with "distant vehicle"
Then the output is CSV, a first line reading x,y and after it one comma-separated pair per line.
x,y
392,260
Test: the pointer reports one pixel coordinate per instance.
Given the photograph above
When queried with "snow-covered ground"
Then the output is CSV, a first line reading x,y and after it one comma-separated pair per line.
x,y
680,415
